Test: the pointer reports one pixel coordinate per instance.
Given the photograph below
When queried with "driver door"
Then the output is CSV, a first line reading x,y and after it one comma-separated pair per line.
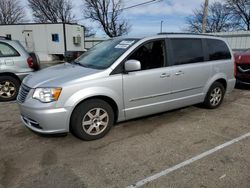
x,y
148,90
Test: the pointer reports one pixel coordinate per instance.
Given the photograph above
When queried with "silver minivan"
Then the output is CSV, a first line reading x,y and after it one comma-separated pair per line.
x,y
126,78
15,64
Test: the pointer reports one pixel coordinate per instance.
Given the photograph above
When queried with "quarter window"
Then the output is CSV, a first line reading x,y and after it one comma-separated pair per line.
x,y
217,50
187,51
151,55
6,50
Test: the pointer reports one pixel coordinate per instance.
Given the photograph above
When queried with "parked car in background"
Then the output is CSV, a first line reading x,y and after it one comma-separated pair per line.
x,y
125,78
242,67
15,64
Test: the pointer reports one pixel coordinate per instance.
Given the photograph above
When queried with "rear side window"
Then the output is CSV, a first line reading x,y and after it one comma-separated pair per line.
x,y
187,51
7,51
217,50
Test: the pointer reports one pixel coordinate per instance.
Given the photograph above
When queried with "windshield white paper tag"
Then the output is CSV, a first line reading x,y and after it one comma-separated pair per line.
x,y
124,44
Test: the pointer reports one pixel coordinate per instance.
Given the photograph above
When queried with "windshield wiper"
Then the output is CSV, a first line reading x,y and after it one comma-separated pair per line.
x,y
77,63
86,66
82,65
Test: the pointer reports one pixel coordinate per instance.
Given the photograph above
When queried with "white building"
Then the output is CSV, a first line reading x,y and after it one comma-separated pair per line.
x,y
48,40
238,40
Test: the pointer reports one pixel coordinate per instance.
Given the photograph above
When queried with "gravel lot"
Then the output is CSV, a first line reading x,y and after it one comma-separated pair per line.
x,y
133,150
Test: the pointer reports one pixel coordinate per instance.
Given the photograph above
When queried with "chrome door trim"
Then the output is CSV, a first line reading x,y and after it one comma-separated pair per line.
x,y
163,94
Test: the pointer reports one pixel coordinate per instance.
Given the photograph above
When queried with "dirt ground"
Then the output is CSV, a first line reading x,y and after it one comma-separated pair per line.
x,y
133,150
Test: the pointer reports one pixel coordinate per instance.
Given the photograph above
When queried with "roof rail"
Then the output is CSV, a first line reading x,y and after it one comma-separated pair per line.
x,y
176,33
4,37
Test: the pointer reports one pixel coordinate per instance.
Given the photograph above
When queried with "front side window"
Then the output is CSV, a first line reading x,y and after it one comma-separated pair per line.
x,y
187,51
104,54
6,50
217,50
151,55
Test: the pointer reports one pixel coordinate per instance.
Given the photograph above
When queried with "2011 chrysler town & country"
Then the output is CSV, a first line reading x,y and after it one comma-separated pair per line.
x,y
125,78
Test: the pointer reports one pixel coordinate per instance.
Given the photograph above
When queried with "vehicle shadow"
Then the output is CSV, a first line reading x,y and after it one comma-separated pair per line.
x,y
57,135
242,87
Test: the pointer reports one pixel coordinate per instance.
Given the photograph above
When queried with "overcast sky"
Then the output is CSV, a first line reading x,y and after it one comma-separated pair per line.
x,y
146,19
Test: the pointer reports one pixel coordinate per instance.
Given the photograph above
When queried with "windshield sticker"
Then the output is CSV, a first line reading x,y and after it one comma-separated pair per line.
x,y
127,42
124,44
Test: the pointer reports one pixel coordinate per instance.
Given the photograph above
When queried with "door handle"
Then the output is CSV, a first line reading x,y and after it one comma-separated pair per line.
x,y
164,75
179,73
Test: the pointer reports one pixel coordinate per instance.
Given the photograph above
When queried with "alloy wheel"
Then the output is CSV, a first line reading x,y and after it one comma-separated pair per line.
x,y
7,89
216,96
95,121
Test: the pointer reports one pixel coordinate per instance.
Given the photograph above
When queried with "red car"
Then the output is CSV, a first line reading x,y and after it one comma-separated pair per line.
x,y
242,67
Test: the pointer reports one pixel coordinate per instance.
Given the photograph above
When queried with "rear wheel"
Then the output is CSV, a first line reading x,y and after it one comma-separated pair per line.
x,y
214,96
9,87
92,119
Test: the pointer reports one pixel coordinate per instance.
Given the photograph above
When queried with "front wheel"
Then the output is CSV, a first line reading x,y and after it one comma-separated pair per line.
x,y
92,119
9,87
214,96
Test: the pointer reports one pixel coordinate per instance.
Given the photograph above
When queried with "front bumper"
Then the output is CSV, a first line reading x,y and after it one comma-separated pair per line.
x,y
245,82
45,121
243,74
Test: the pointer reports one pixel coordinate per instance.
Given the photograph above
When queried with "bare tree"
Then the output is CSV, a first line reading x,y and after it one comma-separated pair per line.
x,y
11,12
108,14
89,31
240,9
219,19
53,11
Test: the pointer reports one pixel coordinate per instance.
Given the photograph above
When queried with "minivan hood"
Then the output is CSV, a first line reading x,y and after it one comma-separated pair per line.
x,y
57,75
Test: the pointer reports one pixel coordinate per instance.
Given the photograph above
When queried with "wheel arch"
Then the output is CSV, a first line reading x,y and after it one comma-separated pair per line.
x,y
221,78
12,75
107,99
223,82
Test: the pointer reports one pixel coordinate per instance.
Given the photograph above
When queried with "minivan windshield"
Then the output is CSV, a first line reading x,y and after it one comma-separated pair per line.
x,y
104,54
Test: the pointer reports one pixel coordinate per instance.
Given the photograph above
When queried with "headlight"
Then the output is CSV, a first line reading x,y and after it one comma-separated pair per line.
x,y
47,95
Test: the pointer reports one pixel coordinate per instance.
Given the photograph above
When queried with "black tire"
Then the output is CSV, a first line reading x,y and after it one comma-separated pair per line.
x,y
36,61
13,83
209,102
80,113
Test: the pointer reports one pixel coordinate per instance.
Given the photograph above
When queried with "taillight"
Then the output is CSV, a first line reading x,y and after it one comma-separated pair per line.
x,y
30,62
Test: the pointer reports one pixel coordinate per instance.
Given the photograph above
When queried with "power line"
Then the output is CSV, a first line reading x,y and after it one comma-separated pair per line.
x,y
133,6
140,4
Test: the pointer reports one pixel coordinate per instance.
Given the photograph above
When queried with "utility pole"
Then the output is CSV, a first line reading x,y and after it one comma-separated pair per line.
x,y
204,18
161,26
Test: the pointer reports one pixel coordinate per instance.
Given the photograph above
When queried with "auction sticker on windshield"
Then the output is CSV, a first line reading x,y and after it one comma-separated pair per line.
x,y
124,44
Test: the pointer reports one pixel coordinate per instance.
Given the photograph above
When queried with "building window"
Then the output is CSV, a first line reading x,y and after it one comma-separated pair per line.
x,y
8,36
55,37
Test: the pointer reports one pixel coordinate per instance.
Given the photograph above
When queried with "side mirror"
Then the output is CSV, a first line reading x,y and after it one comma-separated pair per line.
x,y
132,65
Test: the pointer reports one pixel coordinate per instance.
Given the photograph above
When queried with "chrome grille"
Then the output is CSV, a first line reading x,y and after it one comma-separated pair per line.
x,y
244,68
23,92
